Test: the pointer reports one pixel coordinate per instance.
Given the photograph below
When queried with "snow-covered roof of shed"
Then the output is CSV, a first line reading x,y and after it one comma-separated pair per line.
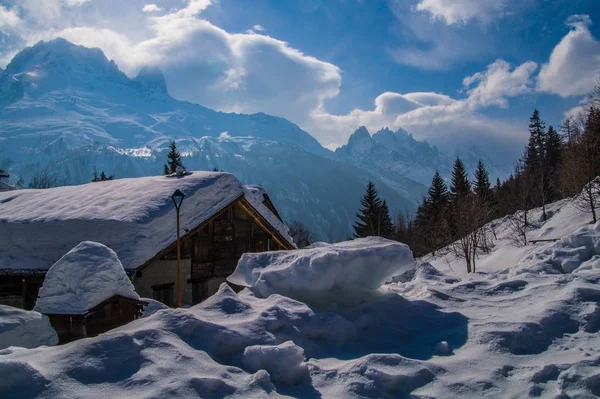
x,y
135,217
86,276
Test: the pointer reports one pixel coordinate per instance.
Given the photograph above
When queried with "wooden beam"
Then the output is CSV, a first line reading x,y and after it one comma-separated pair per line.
x,y
263,224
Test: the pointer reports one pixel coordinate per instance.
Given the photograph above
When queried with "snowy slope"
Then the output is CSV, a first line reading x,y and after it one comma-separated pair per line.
x,y
563,220
25,328
86,276
134,217
431,334
67,110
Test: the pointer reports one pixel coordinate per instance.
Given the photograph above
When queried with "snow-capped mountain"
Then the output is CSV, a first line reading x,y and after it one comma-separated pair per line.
x,y
395,155
68,110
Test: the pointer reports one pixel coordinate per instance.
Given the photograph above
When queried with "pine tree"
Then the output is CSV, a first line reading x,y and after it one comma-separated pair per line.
x,y
369,216
460,185
460,189
482,185
535,162
537,132
387,229
430,220
437,196
174,160
553,152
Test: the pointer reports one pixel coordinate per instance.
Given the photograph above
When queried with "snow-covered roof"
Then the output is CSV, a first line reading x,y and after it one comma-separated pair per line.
x,y
6,187
86,276
135,217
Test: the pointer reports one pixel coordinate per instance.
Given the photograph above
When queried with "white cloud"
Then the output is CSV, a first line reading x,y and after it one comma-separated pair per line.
x,y
151,8
432,44
75,3
207,65
498,82
258,28
574,64
462,11
9,18
422,112
249,73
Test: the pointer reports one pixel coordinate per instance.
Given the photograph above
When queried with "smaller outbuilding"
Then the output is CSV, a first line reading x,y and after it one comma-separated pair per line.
x,y
87,292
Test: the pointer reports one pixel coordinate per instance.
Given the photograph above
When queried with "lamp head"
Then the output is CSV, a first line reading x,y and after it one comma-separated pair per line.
x,y
177,198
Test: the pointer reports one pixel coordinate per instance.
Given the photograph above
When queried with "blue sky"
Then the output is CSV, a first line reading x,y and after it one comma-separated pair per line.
x,y
454,72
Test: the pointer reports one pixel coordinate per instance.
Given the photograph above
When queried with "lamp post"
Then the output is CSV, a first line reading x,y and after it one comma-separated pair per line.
x,y
177,198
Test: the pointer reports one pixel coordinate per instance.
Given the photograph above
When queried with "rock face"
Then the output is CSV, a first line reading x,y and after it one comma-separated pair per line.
x,y
397,155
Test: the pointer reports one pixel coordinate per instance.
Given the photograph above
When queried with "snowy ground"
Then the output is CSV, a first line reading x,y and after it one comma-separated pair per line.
x,y
563,220
519,328
24,328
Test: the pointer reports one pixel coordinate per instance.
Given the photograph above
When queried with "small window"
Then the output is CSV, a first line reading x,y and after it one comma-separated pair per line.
x,y
164,293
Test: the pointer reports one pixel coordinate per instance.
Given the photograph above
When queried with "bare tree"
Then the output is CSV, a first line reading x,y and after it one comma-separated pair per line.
x,y
523,194
301,235
43,179
518,228
474,235
580,167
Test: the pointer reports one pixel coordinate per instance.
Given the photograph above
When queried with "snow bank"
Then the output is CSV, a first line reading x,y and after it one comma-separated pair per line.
x,y
284,362
152,307
87,275
24,328
432,333
564,220
135,217
576,252
323,272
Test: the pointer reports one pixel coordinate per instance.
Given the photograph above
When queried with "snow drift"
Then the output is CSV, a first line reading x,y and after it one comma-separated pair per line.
x,y
24,328
576,252
87,275
324,272
433,333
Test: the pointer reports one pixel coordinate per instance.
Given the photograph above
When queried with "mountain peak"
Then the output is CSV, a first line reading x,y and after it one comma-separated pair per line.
x,y
152,77
59,53
59,64
359,142
361,134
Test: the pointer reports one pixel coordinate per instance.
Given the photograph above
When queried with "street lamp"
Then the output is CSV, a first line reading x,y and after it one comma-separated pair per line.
x,y
177,198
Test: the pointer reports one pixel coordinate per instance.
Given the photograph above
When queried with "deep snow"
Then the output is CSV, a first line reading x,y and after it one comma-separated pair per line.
x,y
324,272
27,329
521,329
86,276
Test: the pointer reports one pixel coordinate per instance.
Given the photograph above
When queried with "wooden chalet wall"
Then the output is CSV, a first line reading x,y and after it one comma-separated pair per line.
x,y
112,313
20,291
209,255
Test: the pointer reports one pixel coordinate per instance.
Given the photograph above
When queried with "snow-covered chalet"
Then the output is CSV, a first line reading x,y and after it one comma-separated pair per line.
x,y
220,220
